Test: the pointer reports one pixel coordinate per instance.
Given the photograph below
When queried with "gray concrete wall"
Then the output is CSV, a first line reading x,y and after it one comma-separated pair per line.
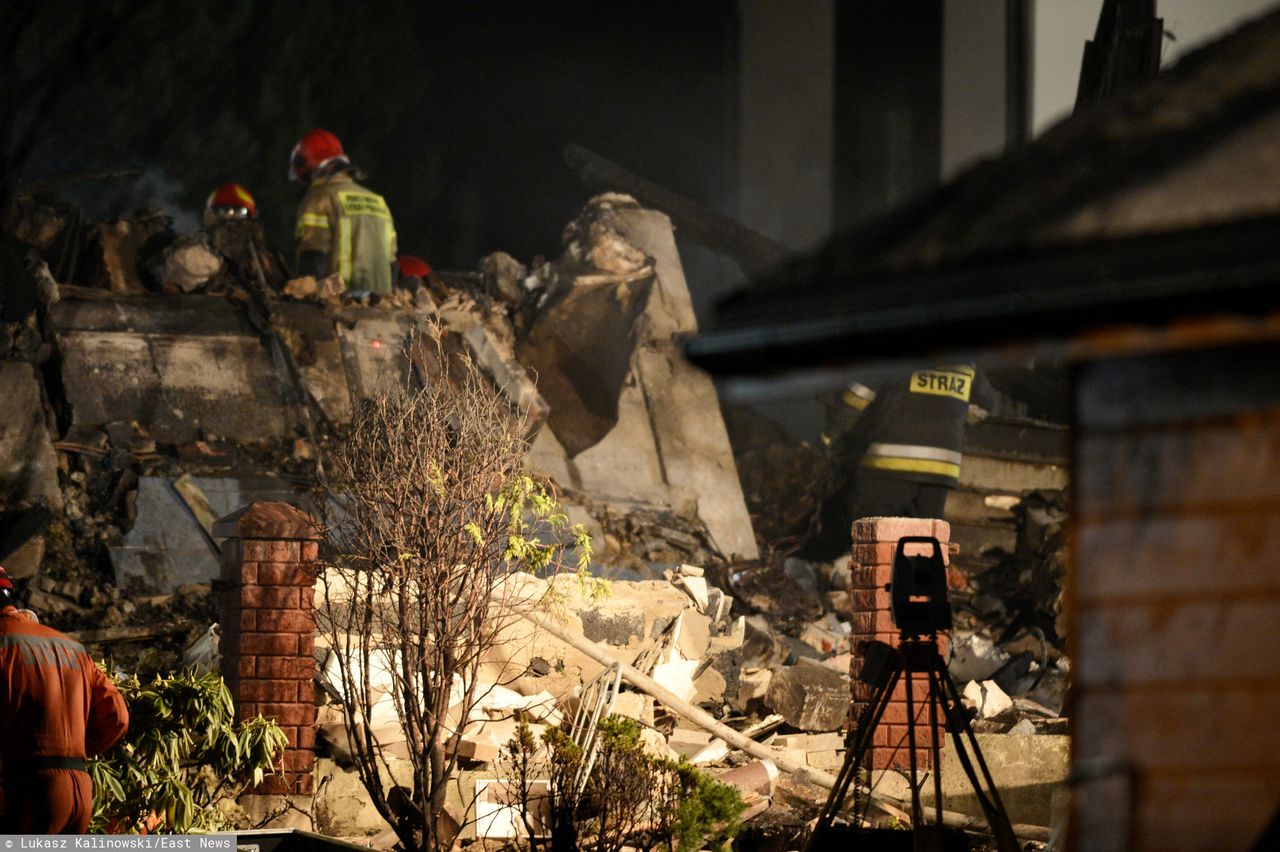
x,y
973,82
786,62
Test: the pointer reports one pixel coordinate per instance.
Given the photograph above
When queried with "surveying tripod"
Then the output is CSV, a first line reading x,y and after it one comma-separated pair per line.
x,y
920,609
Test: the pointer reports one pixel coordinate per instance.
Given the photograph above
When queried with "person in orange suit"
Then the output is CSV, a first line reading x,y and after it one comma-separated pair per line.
x,y
57,708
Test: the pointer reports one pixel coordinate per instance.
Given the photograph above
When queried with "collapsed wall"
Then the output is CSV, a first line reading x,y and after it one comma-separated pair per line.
x,y
146,403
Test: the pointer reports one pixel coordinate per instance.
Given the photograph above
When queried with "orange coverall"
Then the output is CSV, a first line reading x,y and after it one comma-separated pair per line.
x,y
56,709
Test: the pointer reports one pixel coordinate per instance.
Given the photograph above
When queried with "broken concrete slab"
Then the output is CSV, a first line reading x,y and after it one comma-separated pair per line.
x,y
810,696
308,330
666,440
178,365
504,277
974,656
1027,772
753,686
688,741
581,346
28,466
26,560
167,546
372,345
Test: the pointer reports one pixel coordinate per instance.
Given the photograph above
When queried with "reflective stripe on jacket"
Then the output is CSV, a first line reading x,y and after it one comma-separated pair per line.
x,y
54,700
351,225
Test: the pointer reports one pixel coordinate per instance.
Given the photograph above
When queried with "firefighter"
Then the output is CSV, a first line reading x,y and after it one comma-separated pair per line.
x,y
229,202
233,230
57,708
411,272
907,443
342,227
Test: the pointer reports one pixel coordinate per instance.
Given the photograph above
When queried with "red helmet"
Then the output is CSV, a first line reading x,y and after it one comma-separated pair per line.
x,y
231,201
7,592
412,267
313,151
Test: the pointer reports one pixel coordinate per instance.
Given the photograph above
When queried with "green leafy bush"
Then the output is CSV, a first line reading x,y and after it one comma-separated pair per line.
x,y
184,760
630,798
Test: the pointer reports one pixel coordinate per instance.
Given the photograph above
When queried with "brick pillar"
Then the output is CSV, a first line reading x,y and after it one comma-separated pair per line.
x,y
875,542
268,629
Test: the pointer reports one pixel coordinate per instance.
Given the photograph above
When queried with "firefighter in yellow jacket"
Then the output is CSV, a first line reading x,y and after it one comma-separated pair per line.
x,y
342,227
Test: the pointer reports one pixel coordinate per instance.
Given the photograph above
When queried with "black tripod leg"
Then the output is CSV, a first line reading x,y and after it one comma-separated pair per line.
x,y
917,813
863,734
935,752
957,721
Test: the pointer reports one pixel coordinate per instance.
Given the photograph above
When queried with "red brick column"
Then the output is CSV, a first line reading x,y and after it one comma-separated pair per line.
x,y
875,542
268,629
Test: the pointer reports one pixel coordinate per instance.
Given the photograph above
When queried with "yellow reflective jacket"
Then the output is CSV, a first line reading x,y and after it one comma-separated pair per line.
x,y
353,227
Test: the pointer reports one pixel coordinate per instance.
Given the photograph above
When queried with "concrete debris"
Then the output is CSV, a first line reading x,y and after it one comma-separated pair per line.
x,y
688,742
655,434
987,698
189,263
810,696
168,545
327,289
974,656
123,245
504,277
203,655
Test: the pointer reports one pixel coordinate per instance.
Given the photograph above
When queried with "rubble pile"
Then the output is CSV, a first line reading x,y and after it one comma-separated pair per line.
x,y
164,381
679,630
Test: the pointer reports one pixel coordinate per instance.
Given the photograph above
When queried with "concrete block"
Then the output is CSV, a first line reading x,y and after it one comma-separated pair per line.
x,y
696,589
810,696
634,705
753,685
178,365
810,742
342,805
655,744
695,635
709,688
688,741
166,547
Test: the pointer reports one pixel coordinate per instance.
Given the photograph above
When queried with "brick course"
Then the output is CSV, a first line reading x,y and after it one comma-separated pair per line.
x,y
268,637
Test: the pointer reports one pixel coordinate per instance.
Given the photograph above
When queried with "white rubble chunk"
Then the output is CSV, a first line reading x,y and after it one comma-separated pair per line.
x,y
989,699
696,589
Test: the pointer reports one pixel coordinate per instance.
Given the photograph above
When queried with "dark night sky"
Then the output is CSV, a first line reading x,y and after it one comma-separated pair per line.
x,y
457,111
